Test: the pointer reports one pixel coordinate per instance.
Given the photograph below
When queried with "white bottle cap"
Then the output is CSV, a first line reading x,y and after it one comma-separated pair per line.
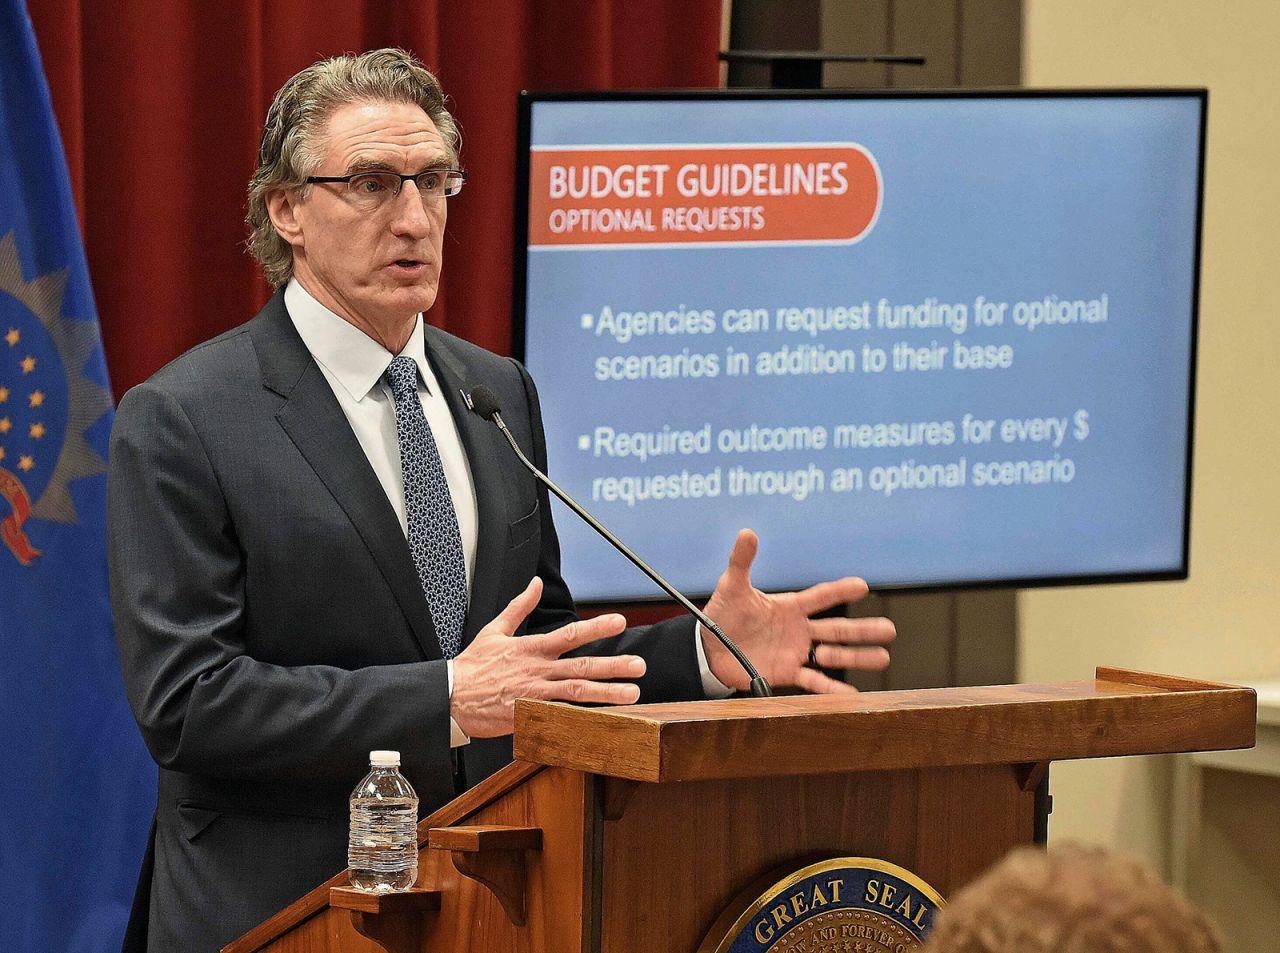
x,y
384,759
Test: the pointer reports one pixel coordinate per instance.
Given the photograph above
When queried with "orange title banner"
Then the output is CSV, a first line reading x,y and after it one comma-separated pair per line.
x,y
682,195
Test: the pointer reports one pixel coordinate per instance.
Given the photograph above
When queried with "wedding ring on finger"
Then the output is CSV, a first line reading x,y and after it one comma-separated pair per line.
x,y
813,655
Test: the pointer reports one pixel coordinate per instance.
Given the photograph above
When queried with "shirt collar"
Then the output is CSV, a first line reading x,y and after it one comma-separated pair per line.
x,y
355,360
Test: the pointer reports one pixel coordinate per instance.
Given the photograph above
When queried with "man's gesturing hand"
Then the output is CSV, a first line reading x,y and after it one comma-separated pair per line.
x,y
496,669
775,631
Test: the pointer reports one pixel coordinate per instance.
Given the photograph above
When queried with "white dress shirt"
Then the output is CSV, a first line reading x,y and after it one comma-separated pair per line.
x,y
354,363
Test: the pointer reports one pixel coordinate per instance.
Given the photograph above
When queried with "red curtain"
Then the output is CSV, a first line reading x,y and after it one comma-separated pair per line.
x,y
161,106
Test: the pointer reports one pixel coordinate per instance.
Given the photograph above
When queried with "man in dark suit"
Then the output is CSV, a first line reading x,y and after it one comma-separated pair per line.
x,y
317,551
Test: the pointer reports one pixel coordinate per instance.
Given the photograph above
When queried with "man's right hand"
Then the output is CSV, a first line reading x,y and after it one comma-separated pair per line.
x,y
496,668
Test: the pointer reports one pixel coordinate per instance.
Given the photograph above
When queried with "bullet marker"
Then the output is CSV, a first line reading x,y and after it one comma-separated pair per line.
x,y
584,442
586,322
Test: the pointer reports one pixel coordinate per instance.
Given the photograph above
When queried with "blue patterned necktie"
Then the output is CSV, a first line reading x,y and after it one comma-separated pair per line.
x,y
434,539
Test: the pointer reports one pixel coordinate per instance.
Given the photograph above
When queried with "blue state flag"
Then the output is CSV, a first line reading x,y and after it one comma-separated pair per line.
x,y
76,783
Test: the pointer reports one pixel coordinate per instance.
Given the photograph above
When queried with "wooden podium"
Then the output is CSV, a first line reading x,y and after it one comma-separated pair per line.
x,y
633,829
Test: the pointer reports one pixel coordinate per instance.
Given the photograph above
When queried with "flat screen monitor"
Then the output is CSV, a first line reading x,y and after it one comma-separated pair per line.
x,y
936,339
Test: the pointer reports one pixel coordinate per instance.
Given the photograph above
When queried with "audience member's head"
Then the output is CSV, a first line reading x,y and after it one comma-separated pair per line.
x,y
1070,899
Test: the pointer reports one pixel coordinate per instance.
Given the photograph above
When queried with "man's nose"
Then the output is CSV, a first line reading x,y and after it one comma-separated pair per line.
x,y
412,216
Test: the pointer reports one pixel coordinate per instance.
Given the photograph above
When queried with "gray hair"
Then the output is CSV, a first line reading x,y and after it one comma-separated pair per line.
x,y
291,134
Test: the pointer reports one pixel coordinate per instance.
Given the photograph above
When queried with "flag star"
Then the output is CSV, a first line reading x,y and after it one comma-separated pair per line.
x,y
26,463
37,431
5,424
36,398
28,364
4,394
13,337
1,453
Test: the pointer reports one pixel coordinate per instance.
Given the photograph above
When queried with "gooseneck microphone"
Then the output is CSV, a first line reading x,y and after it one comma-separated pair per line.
x,y
484,402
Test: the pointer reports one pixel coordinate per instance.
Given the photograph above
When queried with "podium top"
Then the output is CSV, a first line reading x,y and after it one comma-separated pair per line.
x,y
1118,712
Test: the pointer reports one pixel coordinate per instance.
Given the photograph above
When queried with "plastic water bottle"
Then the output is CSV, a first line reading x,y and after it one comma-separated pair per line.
x,y
382,851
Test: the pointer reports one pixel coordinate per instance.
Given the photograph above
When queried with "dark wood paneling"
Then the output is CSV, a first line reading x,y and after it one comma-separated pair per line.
x,y
985,638
855,27
771,25
928,28
965,42
990,43
923,653
877,605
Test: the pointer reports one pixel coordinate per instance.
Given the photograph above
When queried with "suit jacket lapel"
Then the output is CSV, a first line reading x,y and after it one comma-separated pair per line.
x,y
484,446
314,421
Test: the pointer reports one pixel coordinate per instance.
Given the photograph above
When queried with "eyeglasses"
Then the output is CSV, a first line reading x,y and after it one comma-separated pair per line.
x,y
369,191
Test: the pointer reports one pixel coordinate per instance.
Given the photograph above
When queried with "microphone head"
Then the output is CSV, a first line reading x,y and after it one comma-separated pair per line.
x,y
485,402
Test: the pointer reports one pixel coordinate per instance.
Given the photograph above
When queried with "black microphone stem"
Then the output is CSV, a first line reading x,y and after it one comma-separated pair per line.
x,y
759,685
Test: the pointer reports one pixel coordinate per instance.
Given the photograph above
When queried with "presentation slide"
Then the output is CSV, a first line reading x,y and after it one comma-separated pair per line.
x,y
928,340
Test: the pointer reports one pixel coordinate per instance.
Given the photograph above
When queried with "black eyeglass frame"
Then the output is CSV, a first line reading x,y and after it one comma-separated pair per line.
x,y
412,177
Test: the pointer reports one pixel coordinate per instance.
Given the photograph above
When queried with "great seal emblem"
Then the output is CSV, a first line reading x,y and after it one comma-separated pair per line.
x,y
853,904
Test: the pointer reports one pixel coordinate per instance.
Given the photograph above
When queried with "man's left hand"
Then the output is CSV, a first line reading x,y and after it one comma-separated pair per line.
x,y
776,633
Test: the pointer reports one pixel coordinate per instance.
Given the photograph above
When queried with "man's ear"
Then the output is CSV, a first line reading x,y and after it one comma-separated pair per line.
x,y
282,209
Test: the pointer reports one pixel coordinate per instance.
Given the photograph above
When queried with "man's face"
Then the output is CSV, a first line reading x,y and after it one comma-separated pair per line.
x,y
376,269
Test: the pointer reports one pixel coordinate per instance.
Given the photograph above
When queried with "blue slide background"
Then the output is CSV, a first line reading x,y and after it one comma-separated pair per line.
x,y
1010,198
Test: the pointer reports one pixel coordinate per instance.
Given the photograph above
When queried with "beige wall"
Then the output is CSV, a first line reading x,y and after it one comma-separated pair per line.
x,y
1223,622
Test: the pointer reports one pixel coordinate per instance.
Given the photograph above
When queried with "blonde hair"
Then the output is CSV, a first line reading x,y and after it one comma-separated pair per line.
x,y
289,151
1070,899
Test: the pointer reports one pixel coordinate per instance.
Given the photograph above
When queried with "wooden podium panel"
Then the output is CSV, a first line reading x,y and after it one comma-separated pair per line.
x,y
631,829
722,835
